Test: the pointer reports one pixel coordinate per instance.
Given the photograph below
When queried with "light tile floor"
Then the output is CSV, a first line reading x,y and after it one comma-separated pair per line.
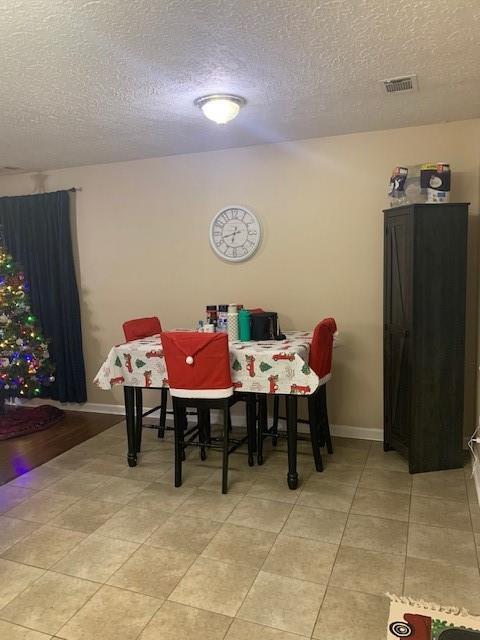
x,y
93,550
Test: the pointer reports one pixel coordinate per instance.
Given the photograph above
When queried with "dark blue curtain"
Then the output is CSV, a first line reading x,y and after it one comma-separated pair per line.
x,y
38,235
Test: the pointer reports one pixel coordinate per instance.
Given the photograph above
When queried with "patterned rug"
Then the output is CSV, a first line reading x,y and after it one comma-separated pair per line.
x,y
19,421
419,620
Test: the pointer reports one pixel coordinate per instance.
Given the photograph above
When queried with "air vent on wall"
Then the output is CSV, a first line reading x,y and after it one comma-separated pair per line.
x,y
402,83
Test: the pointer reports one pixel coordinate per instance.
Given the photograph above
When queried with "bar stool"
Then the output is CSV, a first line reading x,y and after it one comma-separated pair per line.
x,y
198,369
320,360
137,329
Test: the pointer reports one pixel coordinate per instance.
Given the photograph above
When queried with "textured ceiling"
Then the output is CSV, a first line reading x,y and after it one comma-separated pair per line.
x,y
94,81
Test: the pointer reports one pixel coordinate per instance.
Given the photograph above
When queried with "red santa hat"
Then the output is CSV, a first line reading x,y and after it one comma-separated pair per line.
x,y
198,364
321,350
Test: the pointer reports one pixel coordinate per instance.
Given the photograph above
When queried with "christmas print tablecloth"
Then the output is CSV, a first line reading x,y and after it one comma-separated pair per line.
x,y
273,366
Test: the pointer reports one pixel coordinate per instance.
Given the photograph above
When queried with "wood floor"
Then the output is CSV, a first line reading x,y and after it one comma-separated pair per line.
x,y
21,454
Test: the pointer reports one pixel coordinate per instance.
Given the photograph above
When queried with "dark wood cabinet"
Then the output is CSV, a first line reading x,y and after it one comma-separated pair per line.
x,y
424,333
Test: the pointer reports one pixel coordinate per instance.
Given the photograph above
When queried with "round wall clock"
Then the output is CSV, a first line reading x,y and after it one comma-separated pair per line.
x,y
235,234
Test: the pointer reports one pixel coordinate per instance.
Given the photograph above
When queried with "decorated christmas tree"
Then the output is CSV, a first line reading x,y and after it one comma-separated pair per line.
x,y
25,366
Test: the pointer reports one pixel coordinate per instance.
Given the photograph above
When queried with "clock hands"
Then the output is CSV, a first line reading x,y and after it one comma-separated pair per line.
x,y
232,234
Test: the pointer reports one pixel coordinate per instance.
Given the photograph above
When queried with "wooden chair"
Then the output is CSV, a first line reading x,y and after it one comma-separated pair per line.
x,y
320,361
198,368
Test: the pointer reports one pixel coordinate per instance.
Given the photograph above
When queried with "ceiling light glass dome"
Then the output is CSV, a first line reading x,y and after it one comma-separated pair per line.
x,y
220,107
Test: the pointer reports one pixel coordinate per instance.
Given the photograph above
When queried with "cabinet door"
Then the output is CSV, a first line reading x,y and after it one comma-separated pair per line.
x,y
397,327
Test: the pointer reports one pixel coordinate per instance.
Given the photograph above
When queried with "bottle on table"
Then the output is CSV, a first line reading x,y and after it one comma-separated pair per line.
x,y
244,324
222,320
232,322
211,313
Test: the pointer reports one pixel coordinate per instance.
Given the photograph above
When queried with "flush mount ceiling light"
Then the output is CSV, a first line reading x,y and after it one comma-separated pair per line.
x,y
220,107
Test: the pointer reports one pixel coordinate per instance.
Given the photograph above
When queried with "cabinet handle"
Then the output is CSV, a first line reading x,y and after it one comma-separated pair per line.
x,y
406,333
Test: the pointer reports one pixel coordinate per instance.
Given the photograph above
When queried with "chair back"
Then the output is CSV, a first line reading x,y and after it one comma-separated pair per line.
x,y
141,328
198,364
322,347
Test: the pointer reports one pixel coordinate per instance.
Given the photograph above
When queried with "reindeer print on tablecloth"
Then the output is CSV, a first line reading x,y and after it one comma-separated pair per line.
x,y
273,383
250,365
128,362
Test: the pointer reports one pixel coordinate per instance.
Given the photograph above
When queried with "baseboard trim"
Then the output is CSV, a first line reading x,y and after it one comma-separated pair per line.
x,y
360,433
88,407
339,430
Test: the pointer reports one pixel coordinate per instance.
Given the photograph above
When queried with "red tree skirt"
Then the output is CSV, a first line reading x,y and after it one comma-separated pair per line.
x,y
20,421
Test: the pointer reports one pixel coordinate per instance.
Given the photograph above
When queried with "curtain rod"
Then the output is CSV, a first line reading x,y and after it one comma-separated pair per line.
x,y
75,189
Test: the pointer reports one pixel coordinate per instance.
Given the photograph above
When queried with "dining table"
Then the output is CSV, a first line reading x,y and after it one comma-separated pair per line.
x,y
272,367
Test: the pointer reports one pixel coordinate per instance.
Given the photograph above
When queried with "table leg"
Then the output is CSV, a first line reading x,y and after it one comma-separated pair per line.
x,y
163,412
129,394
202,431
179,438
251,402
262,425
276,413
292,477
208,426
315,428
138,418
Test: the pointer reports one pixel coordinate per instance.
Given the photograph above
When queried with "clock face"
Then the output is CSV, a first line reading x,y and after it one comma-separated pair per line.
x,y
235,234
